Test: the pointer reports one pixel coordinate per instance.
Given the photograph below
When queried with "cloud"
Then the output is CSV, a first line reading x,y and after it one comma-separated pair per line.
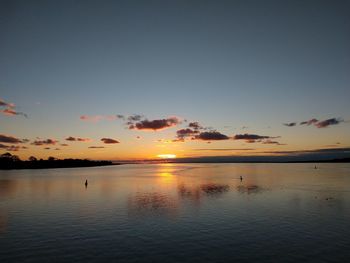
x,y
10,109
195,125
6,104
322,124
272,142
44,142
77,139
309,122
11,139
154,124
64,144
96,147
12,148
135,117
328,122
211,136
47,148
345,150
183,133
225,149
12,112
96,118
251,138
290,124
109,140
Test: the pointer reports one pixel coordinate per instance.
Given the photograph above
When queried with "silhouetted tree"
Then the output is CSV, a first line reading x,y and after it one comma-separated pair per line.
x,y
32,159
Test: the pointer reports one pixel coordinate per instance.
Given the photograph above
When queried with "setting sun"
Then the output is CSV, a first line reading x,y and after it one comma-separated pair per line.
x,y
166,156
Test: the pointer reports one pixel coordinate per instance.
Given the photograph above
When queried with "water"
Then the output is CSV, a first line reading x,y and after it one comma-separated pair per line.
x,y
177,213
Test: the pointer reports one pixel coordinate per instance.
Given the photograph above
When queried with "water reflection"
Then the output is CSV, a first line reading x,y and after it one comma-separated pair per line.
x,y
250,189
148,204
213,189
3,221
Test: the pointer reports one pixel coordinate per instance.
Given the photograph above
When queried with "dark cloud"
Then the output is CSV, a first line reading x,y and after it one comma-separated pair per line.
x,y
309,122
183,133
6,104
211,136
272,142
47,148
12,112
195,125
109,140
12,148
96,147
328,122
10,109
64,144
77,139
251,138
225,149
11,139
154,124
44,142
290,124
135,117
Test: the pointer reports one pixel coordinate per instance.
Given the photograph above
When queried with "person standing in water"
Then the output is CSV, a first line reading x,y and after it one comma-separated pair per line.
x,y
86,183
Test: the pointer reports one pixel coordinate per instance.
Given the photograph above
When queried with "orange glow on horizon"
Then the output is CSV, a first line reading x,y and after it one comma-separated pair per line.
x,y
166,156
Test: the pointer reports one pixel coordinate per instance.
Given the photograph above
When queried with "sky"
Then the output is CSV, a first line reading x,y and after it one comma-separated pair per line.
x,y
122,80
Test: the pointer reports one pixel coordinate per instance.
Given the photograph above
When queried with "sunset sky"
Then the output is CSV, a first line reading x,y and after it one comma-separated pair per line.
x,y
136,79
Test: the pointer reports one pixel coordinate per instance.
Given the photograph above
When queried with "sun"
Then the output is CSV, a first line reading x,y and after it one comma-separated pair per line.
x,y
166,156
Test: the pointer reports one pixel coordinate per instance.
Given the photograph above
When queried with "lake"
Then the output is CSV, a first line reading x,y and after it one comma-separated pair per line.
x,y
177,213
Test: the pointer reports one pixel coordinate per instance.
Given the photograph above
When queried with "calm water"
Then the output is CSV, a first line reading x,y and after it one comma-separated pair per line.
x,y
177,213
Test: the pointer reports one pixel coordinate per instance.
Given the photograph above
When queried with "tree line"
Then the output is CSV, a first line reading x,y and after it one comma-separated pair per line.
x,y
9,161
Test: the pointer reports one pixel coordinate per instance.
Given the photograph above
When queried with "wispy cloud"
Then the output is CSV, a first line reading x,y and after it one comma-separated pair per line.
x,y
44,142
328,122
109,141
96,118
290,124
6,104
309,122
78,139
183,133
10,109
322,124
268,141
251,138
224,149
96,147
12,148
195,125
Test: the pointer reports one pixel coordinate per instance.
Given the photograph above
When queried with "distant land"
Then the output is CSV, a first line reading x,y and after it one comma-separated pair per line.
x,y
9,162
227,160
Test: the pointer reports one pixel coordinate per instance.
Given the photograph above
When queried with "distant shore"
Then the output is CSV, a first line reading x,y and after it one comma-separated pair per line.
x,y
12,162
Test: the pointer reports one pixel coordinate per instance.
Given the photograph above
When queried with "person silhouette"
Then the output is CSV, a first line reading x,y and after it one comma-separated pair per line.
x,y
241,178
86,183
